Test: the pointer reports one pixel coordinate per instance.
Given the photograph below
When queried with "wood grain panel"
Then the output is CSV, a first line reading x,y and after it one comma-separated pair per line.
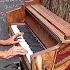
x,y
15,16
43,35
58,23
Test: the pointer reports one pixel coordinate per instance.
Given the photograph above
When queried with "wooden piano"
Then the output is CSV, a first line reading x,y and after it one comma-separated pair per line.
x,y
46,37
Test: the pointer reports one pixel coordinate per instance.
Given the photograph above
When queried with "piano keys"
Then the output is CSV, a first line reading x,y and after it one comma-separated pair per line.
x,y
33,43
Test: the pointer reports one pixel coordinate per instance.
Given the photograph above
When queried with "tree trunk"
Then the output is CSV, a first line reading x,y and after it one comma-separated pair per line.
x,y
59,7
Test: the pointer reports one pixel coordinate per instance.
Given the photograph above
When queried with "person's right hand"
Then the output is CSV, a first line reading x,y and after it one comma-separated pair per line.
x,y
14,51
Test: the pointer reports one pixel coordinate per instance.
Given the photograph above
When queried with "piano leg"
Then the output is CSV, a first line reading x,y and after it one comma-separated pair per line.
x,y
37,63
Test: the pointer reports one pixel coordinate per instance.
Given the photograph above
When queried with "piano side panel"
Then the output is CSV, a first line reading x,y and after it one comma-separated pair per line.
x,y
43,35
15,16
18,15
64,66
63,58
63,53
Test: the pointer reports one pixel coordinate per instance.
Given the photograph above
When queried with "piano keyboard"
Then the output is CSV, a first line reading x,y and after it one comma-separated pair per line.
x,y
28,41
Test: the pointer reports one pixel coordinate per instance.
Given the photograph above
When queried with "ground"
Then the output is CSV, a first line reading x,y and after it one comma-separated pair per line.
x,y
6,5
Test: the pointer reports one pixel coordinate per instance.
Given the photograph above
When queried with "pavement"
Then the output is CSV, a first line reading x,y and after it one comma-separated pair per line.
x,y
7,5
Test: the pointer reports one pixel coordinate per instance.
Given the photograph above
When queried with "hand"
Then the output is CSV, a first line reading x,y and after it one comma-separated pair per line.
x,y
12,40
14,51
66,41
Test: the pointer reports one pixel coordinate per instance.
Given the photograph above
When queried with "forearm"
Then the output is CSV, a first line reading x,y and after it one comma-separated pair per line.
x,y
3,54
3,42
10,41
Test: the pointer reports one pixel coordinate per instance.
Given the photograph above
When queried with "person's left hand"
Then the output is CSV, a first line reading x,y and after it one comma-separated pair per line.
x,y
12,39
14,51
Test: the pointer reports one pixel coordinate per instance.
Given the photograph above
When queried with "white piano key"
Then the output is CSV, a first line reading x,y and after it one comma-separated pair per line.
x,y
26,46
22,42
15,29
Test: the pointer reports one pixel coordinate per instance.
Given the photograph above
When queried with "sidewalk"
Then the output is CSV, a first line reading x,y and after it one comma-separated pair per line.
x,y
6,5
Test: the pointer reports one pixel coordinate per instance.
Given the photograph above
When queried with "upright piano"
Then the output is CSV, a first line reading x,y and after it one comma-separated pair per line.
x,y
46,37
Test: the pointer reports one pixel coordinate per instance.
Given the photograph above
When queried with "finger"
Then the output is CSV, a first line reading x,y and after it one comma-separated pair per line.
x,y
16,35
15,42
17,53
66,41
20,36
19,48
22,53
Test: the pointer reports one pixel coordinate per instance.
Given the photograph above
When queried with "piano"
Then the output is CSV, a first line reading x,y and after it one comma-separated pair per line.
x,y
46,37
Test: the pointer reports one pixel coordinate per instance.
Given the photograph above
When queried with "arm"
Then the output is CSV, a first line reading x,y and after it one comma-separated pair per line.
x,y
2,54
14,51
4,42
10,41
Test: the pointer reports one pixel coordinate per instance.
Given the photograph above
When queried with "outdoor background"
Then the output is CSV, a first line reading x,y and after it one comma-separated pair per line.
x,y
59,7
5,6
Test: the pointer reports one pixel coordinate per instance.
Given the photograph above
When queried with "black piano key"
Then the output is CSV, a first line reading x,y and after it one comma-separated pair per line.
x,y
35,46
23,28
